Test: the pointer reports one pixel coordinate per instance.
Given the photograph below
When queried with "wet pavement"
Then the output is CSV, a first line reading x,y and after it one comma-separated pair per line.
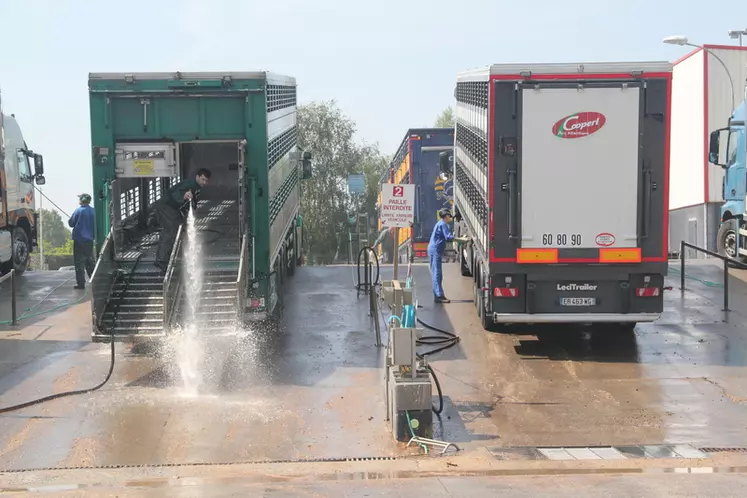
x,y
313,389
661,484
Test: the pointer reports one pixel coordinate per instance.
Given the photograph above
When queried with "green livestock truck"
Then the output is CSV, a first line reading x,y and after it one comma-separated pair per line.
x,y
149,131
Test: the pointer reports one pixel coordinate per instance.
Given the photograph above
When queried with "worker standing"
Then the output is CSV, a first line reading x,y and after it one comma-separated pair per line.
x,y
169,213
439,237
82,223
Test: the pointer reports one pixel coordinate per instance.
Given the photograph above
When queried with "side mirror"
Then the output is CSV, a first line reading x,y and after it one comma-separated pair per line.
x,y
715,154
444,163
38,165
306,170
40,180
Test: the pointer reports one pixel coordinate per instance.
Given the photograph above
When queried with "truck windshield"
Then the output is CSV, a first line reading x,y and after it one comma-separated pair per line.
x,y
731,153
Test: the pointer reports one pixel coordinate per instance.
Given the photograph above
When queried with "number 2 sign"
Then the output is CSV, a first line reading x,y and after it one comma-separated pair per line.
x,y
397,205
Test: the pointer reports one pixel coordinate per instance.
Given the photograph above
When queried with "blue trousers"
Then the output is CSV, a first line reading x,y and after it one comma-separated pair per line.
x,y
437,274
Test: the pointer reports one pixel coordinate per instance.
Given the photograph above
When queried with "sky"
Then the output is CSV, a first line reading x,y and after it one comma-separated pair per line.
x,y
390,64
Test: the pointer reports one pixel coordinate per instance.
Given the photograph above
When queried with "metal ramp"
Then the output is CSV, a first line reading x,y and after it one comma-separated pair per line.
x,y
134,301
136,305
217,306
217,303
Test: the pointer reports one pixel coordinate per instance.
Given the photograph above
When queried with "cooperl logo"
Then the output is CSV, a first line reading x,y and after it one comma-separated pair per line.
x,y
581,124
577,287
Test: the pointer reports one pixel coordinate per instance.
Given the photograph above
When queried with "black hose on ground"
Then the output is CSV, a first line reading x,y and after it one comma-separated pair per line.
x,y
450,340
111,362
440,393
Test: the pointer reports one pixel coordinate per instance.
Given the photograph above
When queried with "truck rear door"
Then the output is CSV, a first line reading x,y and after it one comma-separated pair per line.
x,y
580,167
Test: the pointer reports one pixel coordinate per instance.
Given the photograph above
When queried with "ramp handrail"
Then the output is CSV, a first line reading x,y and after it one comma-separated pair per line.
x,y
171,282
102,281
726,260
241,279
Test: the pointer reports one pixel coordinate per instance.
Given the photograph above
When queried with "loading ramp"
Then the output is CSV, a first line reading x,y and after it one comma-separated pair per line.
x,y
134,300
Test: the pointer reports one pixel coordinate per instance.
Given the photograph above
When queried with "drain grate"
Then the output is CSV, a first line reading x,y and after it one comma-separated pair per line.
x,y
206,464
723,450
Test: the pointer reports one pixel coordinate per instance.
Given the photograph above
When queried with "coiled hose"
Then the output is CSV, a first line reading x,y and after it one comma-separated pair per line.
x,y
445,341
362,286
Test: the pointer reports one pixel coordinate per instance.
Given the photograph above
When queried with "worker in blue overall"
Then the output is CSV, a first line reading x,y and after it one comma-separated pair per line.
x,y
440,236
82,222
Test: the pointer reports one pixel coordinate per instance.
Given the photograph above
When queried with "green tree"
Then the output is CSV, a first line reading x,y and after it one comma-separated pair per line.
x,y
54,230
326,203
446,119
64,250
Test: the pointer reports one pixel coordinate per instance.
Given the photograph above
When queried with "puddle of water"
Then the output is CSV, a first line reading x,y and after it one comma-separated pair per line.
x,y
372,476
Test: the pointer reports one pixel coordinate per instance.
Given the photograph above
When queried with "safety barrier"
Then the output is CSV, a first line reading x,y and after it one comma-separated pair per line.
x,y
12,277
241,278
172,281
726,261
102,281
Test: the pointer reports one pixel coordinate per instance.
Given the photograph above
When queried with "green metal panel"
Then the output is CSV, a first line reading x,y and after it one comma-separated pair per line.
x,y
196,107
204,112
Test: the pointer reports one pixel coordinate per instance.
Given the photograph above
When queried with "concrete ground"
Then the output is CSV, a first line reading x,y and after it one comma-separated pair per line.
x,y
313,390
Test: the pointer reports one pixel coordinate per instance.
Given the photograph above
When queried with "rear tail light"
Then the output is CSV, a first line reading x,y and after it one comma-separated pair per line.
x,y
506,292
647,292
257,303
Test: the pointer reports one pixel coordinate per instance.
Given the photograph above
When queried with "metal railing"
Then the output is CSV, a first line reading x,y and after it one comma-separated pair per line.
x,y
12,277
726,261
102,280
172,281
241,279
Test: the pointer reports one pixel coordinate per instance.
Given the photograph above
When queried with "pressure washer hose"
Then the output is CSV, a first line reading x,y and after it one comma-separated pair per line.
x,y
408,320
112,360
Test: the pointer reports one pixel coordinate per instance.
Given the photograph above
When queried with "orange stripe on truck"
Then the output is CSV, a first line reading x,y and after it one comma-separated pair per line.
x,y
632,255
536,255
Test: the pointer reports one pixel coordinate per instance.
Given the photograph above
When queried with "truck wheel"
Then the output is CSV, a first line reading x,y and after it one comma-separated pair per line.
x,y
463,264
20,261
485,319
726,241
291,264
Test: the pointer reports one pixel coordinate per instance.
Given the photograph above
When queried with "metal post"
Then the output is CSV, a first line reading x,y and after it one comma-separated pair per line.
x,y
41,232
375,316
366,271
682,266
396,254
14,318
726,285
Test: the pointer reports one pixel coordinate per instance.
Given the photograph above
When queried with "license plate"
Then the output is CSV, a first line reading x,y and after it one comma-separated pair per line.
x,y
578,301
144,167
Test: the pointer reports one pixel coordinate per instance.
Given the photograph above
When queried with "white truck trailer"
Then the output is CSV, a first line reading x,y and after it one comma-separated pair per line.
x,y
561,178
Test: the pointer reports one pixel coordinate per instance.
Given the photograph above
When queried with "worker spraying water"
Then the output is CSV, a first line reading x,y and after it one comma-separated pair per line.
x,y
170,211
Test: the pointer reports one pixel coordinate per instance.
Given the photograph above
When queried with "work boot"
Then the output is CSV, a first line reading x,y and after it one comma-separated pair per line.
x,y
442,299
79,287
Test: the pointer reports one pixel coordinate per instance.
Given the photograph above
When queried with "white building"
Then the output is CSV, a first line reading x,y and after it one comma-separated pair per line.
x,y
701,103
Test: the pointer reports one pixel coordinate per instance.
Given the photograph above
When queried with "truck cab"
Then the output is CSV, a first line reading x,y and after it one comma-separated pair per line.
x,y
727,149
17,209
